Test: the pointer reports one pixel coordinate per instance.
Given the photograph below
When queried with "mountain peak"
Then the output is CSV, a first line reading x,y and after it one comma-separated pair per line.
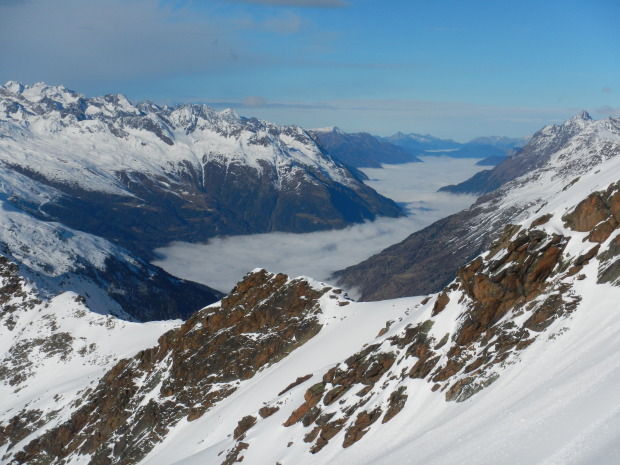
x,y
229,115
14,86
327,129
583,115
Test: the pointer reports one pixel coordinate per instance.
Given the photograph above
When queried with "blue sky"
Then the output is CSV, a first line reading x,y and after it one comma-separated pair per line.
x,y
456,69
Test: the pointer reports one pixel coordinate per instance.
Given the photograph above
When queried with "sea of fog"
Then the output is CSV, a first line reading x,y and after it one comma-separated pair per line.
x,y
223,261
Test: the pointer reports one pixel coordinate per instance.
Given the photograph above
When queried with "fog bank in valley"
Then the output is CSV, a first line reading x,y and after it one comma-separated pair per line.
x,y
222,261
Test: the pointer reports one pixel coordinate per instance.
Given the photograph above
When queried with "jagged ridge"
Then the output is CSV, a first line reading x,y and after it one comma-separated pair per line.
x,y
144,175
426,261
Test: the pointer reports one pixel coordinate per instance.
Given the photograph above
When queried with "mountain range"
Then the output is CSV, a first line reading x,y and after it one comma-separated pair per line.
x,y
143,175
495,341
91,186
362,150
555,157
479,147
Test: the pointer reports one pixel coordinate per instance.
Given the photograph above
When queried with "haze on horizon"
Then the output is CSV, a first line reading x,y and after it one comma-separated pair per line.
x,y
449,68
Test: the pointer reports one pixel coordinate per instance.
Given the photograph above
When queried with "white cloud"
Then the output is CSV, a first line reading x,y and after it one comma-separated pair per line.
x,y
78,43
608,111
223,261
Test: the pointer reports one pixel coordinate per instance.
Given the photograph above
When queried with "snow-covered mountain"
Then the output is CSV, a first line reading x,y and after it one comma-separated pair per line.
x,y
541,147
111,279
514,361
555,157
142,175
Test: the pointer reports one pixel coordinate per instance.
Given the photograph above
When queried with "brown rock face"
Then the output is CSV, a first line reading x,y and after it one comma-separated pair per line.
x,y
363,421
244,424
312,397
588,214
441,303
520,267
262,320
528,262
598,213
506,299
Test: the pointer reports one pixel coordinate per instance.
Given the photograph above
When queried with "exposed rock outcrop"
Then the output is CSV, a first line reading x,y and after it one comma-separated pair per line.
x,y
193,367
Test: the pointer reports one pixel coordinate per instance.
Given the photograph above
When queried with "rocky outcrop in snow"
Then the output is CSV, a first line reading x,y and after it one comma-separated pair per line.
x,y
192,368
220,388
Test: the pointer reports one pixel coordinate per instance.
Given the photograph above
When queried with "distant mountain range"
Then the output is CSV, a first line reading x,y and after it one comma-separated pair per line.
x,y
480,147
362,150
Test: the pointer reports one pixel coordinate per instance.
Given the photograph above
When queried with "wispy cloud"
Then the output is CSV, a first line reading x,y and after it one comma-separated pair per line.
x,y
65,39
253,101
260,102
285,22
299,3
607,90
608,111
79,43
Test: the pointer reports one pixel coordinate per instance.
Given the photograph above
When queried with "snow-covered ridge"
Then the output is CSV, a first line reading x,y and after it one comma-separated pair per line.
x,y
554,158
53,349
72,138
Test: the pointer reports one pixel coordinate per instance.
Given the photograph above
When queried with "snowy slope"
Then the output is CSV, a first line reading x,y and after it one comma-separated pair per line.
x,y
52,349
514,361
553,401
58,258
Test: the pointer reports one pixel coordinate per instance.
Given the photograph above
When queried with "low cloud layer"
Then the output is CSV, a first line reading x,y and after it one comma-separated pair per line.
x,y
222,262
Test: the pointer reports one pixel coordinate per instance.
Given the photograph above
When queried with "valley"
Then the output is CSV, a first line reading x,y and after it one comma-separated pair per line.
x,y
413,186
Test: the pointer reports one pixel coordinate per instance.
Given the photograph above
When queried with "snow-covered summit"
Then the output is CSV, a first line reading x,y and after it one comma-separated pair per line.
x,y
113,124
327,129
